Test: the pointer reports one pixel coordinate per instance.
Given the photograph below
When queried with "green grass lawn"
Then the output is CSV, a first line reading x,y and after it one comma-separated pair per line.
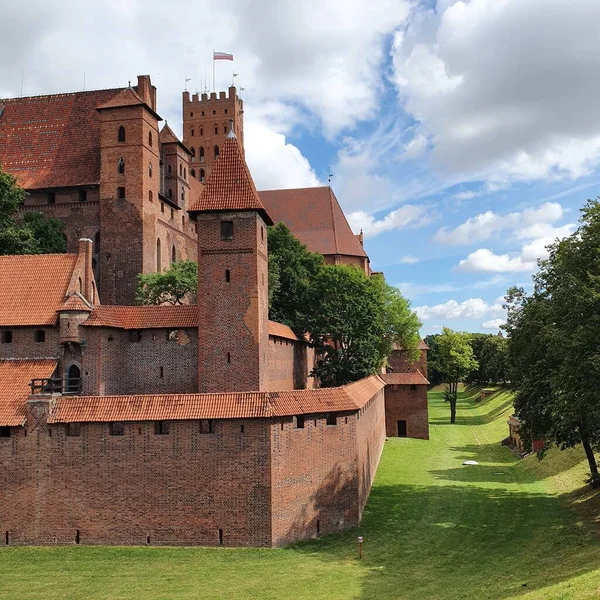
x,y
433,528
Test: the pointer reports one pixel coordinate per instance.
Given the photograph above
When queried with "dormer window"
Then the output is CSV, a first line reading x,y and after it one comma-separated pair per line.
x,y
226,230
121,136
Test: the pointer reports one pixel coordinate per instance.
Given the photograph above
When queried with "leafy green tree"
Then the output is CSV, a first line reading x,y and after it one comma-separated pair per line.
x,y
490,353
553,347
434,373
292,271
346,325
34,233
170,286
456,363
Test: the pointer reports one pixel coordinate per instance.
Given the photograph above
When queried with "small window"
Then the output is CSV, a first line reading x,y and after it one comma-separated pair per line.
x,y
262,233
413,387
170,194
331,419
180,170
172,213
229,357
298,421
201,131
161,427
184,173
121,193
173,335
150,139
150,196
227,276
192,132
40,336
121,136
192,172
82,195
226,230
135,335
158,257
202,176
162,207
216,130
216,152
193,151
51,198
183,220
214,113
182,194
4,432
201,154
6,337
117,428
206,426
73,429
225,111
169,169
149,169
173,254
161,374
121,166
224,128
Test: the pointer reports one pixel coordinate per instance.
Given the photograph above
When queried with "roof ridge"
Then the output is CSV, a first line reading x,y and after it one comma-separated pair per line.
x,y
62,94
334,228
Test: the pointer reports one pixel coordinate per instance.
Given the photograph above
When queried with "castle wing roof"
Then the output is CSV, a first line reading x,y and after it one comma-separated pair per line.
x,y
239,405
413,378
282,331
144,317
126,97
230,186
33,287
315,217
53,141
15,376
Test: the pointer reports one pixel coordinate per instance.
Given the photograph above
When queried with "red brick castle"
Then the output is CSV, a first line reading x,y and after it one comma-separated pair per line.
x,y
199,424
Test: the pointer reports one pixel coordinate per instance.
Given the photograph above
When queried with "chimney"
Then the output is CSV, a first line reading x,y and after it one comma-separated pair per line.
x,y
144,89
361,238
84,252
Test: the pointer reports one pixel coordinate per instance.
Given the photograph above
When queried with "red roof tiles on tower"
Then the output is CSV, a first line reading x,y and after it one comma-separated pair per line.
x,y
230,186
144,317
125,98
412,378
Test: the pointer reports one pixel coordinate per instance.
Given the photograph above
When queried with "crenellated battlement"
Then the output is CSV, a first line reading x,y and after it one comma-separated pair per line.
x,y
207,99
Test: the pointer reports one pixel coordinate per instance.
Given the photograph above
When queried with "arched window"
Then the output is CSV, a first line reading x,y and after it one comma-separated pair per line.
x,y
225,128
201,130
73,380
182,194
201,154
202,175
193,151
180,170
170,193
158,262
192,132
173,254
149,169
216,129
121,136
121,166
216,152
150,139
192,172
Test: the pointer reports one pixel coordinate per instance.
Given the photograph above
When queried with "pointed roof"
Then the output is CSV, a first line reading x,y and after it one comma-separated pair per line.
x,y
125,98
167,136
230,186
76,302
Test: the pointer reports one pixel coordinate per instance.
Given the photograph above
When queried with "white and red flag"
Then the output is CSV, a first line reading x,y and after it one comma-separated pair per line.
x,y
222,56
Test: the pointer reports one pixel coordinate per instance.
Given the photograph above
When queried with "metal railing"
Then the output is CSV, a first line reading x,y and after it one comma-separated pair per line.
x,y
56,385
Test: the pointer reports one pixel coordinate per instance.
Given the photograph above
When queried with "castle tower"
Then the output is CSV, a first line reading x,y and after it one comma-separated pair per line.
x,y
233,298
206,125
129,186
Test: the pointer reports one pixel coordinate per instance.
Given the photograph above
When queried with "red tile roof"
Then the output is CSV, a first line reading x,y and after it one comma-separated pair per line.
x,y
423,345
33,287
76,302
144,317
240,405
413,378
282,331
53,141
15,376
230,185
315,217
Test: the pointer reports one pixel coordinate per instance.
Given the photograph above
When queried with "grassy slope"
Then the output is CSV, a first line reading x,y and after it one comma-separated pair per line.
x,y
433,529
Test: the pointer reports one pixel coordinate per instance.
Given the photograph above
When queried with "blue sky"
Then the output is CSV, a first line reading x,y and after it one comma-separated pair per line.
x,y
464,135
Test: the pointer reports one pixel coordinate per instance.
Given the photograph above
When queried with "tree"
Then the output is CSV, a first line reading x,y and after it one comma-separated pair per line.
x,y
553,343
292,271
170,286
456,362
490,353
34,233
346,325
434,373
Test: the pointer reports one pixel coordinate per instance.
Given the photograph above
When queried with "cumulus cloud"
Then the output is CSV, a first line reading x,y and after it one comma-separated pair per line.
x,y
409,260
500,94
405,216
473,308
493,323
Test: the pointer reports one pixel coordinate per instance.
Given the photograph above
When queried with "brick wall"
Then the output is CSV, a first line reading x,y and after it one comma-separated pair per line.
x,y
400,363
24,345
406,404
175,489
124,365
289,364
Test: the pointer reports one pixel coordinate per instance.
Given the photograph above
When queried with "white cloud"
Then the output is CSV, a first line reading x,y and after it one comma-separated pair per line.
x,y
527,224
405,216
486,261
493,324
473,308
412,290
409,260
499,92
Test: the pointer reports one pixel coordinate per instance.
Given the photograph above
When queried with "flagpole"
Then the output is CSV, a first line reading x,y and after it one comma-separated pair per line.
x,y
214,84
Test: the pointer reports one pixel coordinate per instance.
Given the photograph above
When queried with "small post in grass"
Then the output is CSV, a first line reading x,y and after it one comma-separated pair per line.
x,y
360,543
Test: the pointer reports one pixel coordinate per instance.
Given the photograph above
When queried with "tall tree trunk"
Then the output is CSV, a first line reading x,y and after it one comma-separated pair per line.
x,y
589,452
453,409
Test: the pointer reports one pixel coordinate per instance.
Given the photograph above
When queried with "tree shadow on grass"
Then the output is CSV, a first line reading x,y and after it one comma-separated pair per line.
x,y
424,542
471,418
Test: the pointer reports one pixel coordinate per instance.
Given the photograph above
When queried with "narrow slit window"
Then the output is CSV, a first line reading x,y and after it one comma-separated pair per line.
x,y
227,276
121,193
121,134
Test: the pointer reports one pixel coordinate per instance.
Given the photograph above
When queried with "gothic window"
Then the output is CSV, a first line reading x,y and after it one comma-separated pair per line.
x,y
121,166
216,152
216,130
180,170
73,380
227,276
201,131
182,195
201,154
150,139
173,254
193,172
193,151
121,136
192,132
121,192
202,176
224,128
158,265
149,169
